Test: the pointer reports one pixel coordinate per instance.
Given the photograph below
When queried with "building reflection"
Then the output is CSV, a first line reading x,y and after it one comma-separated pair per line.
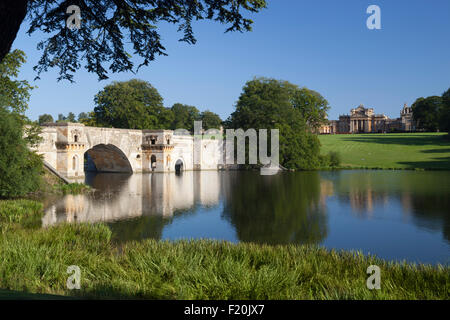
x,y
122,197
422,198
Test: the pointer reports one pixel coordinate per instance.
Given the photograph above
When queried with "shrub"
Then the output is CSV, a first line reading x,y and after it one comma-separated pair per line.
x,y
335,159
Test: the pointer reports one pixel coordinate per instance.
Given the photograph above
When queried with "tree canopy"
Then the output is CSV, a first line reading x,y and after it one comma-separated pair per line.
x,y
427,113
20,168
107,26
14,93
45,118
133,104
210,120
274,104
184,116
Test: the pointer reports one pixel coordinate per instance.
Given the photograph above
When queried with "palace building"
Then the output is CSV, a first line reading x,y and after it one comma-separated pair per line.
x,y
364,120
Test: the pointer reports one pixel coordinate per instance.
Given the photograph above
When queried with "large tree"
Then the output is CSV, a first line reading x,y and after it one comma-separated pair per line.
x,y
269,104
20,168
133,104
426,112
108,25
312,106
210,120
184,116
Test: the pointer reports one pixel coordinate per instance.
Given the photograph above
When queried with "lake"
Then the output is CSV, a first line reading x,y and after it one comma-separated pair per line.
x,y
396,215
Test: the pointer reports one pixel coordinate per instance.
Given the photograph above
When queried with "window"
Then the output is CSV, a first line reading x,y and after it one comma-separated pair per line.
x,y
75,138
74,163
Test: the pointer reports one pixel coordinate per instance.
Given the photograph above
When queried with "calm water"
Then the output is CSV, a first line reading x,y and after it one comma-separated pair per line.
x,y
394,214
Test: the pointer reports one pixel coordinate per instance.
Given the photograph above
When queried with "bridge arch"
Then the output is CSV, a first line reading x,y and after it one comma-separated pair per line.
x,y
179,165
107,158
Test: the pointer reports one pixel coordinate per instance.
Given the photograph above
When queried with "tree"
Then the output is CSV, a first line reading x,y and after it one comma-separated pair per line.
x,y
20,168
82,116
274,104
210,120
45,118
87,118
445,112
184,116
133,104
71,117
14,93
107,26
426,112
312,106
61,118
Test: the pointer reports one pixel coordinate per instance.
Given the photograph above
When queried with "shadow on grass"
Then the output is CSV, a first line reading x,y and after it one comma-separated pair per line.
x,y
413,140
437,164
436,151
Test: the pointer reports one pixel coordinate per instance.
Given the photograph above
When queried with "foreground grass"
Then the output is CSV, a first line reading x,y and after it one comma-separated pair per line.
x,y
390,151
34,260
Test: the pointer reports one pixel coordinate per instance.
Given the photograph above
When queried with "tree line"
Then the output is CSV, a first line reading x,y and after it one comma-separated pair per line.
x,y
136,104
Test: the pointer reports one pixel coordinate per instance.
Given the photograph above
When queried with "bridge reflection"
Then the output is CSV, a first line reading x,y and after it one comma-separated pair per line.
x,y
123,196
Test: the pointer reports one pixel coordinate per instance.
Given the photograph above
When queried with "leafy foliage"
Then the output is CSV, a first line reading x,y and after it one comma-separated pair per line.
x,y
210,120
133,104
45,118
14,93
107,26
269,104
184,116
426,112
20,168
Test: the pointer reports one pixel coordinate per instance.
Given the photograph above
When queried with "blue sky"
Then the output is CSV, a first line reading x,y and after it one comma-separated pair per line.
x,y
321,44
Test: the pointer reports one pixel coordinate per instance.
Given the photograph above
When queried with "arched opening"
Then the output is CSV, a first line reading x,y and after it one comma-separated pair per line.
x,y
75,138
153,162
106,158
178,166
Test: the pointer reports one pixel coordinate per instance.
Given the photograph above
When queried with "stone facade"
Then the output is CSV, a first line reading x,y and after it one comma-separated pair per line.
x,y
66,145
364,120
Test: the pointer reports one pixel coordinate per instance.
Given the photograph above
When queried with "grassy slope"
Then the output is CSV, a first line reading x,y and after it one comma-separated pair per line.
x,y
35,260
399,151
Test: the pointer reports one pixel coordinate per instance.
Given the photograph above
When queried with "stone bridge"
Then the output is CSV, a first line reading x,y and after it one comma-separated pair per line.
x,y
70,148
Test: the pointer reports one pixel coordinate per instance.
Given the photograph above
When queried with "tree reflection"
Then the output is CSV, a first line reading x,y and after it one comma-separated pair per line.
x,y
280,209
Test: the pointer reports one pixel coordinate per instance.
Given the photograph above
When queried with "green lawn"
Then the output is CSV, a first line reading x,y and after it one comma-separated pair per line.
x,y
394,150
34,261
